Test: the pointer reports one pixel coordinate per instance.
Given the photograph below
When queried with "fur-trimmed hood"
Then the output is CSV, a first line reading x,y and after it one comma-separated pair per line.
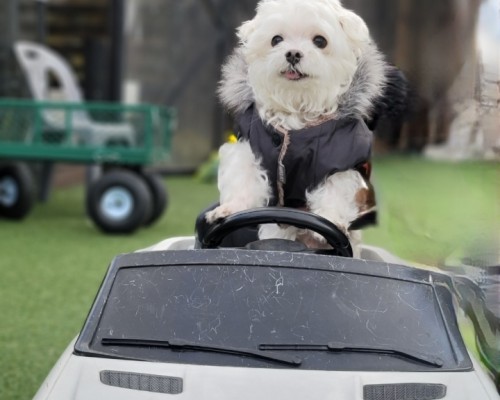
x,y
359,101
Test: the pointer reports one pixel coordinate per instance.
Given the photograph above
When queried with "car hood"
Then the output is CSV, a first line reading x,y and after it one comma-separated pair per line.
x,y
77,378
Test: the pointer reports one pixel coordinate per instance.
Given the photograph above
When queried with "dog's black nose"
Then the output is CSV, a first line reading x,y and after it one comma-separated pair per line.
x,y
293,56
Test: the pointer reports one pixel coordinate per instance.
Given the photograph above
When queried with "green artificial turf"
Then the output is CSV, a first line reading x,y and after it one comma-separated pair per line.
x,y
51,266
52,263
431,210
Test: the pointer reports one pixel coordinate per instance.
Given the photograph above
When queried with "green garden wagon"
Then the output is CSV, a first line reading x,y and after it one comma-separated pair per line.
x,y
120,139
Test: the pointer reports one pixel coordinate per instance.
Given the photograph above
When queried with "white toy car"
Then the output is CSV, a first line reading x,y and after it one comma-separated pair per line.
x,y
187,319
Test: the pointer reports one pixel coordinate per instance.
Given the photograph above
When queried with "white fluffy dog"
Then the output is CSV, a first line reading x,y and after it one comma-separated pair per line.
x,y
302,80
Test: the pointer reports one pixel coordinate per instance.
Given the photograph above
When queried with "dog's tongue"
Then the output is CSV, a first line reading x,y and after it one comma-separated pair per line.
x,y
292,75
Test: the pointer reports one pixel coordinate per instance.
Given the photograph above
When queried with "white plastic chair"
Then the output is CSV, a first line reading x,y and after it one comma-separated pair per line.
x,y
37,62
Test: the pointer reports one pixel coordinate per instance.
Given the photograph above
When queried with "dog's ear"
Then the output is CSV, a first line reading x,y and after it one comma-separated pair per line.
x,y
245,30
355,29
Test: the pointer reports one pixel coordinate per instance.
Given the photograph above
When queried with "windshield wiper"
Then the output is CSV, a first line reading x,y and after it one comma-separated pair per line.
x,y
341,347
177,344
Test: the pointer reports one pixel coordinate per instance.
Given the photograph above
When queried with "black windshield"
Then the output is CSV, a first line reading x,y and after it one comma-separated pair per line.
x,y
243,306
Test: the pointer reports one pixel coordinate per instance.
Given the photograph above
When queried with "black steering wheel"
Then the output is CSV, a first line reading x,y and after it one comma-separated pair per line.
x,y
278,215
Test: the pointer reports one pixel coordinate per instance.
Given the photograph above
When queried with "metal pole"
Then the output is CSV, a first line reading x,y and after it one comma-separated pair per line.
x,y
41,21
7,38
217,14
13,21
117,48
46,172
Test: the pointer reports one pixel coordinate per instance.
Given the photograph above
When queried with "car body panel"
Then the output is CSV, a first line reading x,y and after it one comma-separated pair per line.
x,y
77,374
77,378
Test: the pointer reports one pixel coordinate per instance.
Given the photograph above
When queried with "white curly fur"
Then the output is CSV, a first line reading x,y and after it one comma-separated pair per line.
x,y
237,89
339,81
292,105
242,182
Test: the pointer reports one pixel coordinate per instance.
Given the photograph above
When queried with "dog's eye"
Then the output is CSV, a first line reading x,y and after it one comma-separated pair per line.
x,y
320,41
275,40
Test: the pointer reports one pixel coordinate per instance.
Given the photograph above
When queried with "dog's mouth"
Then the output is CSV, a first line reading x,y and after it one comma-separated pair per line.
x,y
293,75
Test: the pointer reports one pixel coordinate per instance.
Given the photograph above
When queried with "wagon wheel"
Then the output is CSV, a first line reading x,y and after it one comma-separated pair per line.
x,y
159,196
119,202
17,194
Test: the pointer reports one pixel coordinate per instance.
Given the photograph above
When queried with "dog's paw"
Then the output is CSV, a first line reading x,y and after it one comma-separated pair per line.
x,y
320,239
317,240
220,212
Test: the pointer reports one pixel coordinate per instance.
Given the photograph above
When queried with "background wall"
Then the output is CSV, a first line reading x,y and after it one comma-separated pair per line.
x,y
170,52
435,43
176,60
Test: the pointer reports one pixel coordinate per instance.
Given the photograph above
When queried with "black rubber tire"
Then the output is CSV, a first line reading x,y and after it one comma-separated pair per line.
x,y
119,188
159,194
17,190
